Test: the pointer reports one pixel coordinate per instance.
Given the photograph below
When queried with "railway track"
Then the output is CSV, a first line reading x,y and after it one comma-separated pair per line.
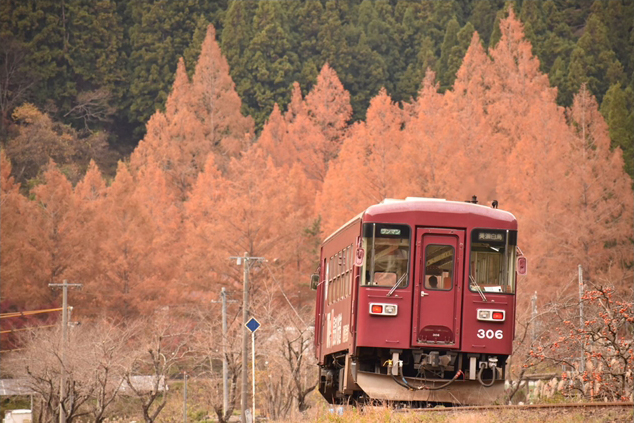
x,y
582,412
561,406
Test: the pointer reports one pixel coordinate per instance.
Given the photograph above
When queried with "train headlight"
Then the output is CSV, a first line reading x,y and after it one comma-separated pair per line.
x,y
491,315
384,309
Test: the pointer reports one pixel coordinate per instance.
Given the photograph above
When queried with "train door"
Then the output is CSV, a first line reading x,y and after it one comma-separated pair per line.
x,y
438,287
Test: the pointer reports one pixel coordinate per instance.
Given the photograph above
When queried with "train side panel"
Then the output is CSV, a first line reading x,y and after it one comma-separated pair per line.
x,y
338,292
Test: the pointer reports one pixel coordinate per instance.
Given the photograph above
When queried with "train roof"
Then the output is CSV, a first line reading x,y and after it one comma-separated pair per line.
x,y
436,205
429,205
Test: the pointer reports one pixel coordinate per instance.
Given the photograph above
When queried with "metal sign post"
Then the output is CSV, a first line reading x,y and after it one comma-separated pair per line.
x,y
245,313
253,325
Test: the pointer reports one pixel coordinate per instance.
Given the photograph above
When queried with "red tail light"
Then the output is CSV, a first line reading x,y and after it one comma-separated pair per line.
x,y
376,308
498,316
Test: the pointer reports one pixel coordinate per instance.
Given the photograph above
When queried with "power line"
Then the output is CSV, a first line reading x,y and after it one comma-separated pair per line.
x,y
5,351
29,328
28,313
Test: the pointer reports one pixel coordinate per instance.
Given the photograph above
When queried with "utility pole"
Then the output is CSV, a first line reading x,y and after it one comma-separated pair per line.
x,y
245,316
64,286
582,361
225,366
225,370
185,398
245,261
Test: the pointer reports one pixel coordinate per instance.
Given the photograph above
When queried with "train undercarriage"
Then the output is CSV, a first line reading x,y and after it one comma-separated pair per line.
x,y
418,376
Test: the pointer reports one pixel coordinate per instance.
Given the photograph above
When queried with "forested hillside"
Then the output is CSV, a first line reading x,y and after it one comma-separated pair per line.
x,y
203,185
99,70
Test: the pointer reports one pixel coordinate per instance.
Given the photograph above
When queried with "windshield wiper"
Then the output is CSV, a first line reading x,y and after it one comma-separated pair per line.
x,y
477,287
398,282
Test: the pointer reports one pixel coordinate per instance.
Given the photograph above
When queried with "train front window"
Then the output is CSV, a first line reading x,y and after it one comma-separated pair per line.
x,y
387,255
492,264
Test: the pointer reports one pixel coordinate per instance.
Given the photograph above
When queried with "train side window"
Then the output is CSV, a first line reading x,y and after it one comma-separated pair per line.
x,y
335,279
342,263
331,281
344,273
338,283
349,275
439,267
326,280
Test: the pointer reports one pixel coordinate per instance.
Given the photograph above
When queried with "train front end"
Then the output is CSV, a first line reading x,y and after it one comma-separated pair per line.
x,y
431,316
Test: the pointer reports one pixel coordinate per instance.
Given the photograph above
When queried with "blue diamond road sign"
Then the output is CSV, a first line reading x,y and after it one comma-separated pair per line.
x,y
252,324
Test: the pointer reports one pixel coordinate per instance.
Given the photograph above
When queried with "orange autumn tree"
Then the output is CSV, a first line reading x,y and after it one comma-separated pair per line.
x,y
369,167
255,208
165,212
202,256
173,138
24,281
328,105
217,104
597,232
296,138
128,285
436,162
521,107
60,236
201,117
312,129
514,83
478,147
275,139
89,197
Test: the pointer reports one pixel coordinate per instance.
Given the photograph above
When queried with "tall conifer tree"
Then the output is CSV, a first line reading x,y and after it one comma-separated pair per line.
x,y
24,278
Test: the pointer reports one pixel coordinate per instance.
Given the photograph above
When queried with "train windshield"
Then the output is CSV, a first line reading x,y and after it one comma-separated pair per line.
x,y
492,264
387,255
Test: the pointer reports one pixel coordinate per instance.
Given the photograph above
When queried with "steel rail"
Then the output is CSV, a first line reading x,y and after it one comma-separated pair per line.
x,y
521,407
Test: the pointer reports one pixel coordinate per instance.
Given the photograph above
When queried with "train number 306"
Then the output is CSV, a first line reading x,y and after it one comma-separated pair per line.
x,y
490,334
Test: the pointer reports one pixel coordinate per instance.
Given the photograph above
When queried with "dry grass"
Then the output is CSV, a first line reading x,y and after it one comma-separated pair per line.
x,y
388,415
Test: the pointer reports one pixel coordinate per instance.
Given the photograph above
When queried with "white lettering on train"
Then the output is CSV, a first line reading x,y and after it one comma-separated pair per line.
x,y
498,334
334,329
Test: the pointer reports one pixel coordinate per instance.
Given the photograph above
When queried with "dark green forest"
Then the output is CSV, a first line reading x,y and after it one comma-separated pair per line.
x,y
101,68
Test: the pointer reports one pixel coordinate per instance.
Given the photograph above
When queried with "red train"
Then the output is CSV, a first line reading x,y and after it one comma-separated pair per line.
x,y
416,302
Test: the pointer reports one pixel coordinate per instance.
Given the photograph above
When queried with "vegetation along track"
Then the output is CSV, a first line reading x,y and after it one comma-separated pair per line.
x,y
594,412
579,405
